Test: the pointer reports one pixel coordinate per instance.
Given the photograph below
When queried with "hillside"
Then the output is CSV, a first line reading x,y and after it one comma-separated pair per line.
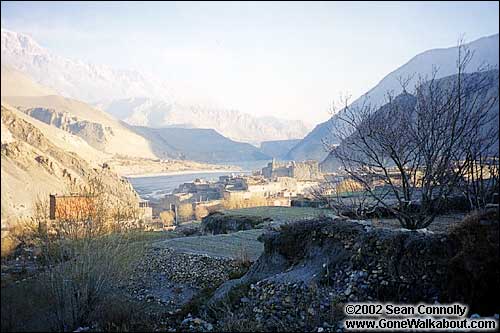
x,y
96,127
278,148
15,83
485,52
204,145
38,159
407,101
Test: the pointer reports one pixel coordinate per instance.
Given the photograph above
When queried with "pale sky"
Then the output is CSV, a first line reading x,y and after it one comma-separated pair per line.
x,y
287,59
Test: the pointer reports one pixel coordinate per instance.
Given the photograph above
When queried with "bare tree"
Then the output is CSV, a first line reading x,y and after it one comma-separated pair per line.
x,y
415,151
345,196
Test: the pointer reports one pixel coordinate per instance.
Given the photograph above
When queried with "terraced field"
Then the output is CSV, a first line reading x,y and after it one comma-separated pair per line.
x,y
242,243
238,245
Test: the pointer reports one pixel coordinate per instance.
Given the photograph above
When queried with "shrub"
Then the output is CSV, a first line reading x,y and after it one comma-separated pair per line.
x,y
85,255
200,212
81,274
235,203
220,223
167,217
185,212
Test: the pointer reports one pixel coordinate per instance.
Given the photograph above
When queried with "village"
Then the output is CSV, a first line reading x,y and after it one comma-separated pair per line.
x,y
277,184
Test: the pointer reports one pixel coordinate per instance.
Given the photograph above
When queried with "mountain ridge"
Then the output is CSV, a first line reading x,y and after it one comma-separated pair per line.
x,y
486,50
104,87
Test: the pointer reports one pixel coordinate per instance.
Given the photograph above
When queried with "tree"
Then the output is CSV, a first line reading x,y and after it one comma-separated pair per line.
x,y
415,151
200,212
167,217
185,211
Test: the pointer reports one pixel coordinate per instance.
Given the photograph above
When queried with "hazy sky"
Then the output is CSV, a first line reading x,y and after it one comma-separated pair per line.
x,y
284,59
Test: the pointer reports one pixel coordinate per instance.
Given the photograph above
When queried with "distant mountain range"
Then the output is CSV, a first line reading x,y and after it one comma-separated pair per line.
x,y
204,145
486,51
136,98
113,137
233,124
147,118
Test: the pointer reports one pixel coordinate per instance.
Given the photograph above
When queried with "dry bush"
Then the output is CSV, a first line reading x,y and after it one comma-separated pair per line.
x,y
82,274
200,212
85,254
8,245
242,257
236,203
167,217
185,212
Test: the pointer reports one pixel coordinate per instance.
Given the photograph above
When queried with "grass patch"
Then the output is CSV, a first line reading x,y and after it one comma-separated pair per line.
x,y
281,213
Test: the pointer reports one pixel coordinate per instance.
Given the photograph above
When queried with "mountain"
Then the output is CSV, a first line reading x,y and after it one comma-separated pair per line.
x,y
230,123
137,98
95,126
203,145
75,79
38,159
277,149
407,101
486,51
113,137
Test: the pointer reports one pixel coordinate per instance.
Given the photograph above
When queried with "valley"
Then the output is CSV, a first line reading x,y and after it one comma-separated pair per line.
x,y
185,167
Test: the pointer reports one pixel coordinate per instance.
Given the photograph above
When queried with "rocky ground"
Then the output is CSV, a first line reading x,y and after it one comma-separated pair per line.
x,y
171,283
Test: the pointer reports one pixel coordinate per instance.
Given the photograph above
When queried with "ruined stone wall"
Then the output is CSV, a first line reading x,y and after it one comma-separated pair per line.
x,y
306,170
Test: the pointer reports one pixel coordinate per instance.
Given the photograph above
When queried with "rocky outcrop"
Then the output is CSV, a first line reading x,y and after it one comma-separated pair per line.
x,y
33,166
95,134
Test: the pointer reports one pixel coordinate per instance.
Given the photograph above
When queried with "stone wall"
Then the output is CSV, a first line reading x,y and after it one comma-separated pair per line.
x,y
307,170
310,267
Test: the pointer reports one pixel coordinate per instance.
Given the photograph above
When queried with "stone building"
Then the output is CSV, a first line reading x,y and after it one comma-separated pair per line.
x,y
307,170
71,207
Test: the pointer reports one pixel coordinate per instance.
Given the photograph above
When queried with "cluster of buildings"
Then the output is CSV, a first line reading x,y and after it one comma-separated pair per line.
x,y
275,185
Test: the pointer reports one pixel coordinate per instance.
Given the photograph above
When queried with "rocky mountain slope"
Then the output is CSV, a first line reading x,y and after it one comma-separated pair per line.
x,y
96,127
205,145
37,159
137,98
485,52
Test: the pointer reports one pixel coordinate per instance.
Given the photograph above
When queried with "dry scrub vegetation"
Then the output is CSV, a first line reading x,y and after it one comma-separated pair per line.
x,y
235,203
83,257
